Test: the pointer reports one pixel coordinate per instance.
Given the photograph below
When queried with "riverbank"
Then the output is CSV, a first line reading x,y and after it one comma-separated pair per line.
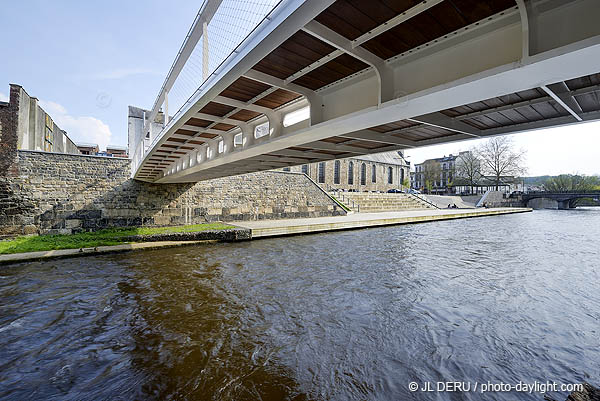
x,y
272,228
114,239
129,239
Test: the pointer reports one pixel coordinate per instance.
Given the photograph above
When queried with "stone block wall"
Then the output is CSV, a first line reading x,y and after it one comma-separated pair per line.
x,y
380,183
62,193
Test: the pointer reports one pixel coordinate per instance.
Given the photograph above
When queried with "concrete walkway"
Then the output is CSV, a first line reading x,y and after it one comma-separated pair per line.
x,y
270,228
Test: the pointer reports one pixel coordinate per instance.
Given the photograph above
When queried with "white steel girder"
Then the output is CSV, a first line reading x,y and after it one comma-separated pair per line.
x,y
418,92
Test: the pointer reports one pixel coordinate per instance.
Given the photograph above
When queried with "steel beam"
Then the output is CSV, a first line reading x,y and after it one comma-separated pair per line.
x,y
397,20
314,100
384,72
440,120
566,102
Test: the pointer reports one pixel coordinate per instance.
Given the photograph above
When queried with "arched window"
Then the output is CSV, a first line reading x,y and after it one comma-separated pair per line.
x,y
374,173
350,173
305,169
336,172
363,174
321,177
390,175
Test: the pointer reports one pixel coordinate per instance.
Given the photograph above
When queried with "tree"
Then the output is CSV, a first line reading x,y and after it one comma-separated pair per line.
x,y
468,167
431,174
499,158
570,182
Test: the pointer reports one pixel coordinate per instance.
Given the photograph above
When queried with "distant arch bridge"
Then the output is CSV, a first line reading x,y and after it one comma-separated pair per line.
x,y
565,200
269,84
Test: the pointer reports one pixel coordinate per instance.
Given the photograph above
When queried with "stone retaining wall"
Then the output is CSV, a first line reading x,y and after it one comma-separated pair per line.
x,y
62,193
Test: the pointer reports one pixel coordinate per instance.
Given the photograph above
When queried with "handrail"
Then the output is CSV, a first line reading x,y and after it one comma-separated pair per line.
x,y
483,198
199,27
422,198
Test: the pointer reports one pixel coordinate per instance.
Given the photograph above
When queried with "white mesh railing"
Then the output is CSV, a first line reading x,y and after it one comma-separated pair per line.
x,y
204,50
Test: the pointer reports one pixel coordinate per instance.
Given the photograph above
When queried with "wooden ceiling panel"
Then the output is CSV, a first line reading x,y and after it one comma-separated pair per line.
x,y
197,122
223,126
277,98
338,68
244,89
216,109
245,115
296,53
394,126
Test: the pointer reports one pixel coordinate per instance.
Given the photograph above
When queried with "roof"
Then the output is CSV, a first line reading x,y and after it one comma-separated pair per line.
x,y
86,145
386,157
449,158
483,181
111,147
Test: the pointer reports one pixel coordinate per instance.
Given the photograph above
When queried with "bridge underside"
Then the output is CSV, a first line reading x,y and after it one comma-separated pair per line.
x,y
378,76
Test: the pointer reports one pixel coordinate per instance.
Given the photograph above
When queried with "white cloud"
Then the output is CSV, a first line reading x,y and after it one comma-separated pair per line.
x,y
3,97
79,129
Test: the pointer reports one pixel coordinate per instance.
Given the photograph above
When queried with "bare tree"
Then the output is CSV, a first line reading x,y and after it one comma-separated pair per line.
x,y
499,158
468,167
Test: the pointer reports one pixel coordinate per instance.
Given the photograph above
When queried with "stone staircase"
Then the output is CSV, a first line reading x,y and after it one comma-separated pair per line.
x,y
372,202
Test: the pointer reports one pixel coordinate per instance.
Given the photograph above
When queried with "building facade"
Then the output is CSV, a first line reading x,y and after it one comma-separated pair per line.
x,y
35,129
445,175
379,172
434,176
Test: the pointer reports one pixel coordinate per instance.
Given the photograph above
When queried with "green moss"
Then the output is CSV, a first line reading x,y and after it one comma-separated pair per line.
x,y
109,236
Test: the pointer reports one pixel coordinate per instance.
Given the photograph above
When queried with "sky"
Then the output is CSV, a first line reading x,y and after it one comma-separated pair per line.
x,y
87,61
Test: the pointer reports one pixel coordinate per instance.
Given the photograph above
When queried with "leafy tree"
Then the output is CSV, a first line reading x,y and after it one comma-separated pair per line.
x,y
468,167
572,182
500,158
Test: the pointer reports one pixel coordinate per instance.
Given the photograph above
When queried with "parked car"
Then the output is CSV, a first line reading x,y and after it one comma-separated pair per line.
x,y
395,191
414,192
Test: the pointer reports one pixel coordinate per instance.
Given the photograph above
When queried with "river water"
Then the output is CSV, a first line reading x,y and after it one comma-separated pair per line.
x,y
354,315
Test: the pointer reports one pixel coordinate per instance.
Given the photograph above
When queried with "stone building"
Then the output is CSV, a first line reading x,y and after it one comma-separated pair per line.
x,y
442,175
434,175
35,128
88,148
378,172
116,151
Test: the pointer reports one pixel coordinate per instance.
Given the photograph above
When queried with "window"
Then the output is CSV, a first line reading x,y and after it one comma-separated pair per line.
x,y
296,116
350,173
363,174
374,173
286,169
305,169
321,177
390,175
336,172
261,130
401,176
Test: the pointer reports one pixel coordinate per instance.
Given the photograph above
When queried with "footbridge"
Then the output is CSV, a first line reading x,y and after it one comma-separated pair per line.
x,y
565,200
268,84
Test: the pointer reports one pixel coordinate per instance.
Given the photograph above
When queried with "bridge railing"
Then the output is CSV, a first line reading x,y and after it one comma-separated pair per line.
x,y
219,29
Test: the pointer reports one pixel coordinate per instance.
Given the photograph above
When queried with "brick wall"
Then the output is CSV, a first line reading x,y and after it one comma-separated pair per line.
x,y
61,193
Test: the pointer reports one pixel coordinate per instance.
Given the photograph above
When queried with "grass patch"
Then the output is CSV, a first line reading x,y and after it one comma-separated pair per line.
x,y
109,236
